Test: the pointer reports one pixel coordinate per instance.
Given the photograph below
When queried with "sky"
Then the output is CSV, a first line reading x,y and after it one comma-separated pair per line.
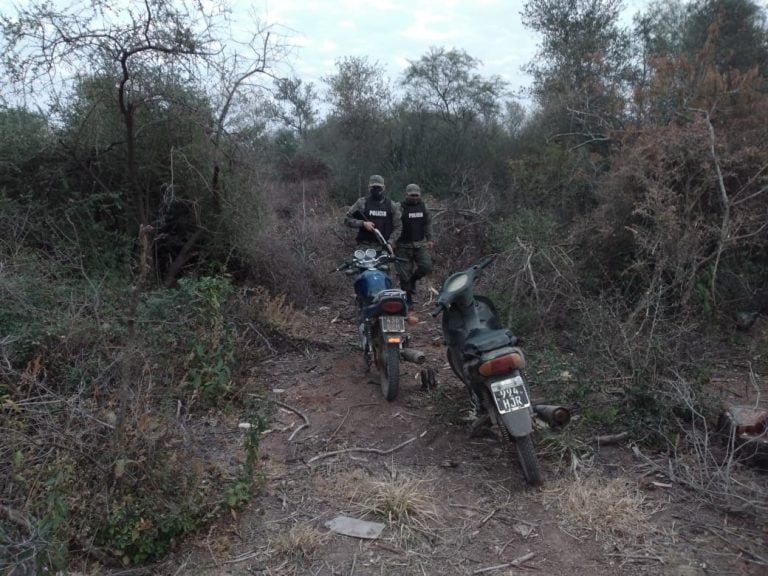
x,y
391,32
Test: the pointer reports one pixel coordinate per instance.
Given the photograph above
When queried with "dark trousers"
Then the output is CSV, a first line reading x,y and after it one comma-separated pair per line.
x,y
418,265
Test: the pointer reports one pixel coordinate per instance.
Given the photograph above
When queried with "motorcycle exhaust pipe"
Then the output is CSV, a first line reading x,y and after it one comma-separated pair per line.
x,y
411,355
555,416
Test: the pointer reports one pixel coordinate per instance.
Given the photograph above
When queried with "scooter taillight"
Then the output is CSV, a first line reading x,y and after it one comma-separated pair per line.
x,y
392,306
501,365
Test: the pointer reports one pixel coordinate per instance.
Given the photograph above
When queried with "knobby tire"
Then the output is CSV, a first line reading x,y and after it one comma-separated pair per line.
x,y
526,453
390,370
529,462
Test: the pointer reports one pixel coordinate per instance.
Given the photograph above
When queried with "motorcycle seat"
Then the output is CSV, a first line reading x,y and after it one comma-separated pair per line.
x,y
486,340
388,293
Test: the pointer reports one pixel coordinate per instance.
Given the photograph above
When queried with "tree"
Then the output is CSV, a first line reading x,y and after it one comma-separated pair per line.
x,y
445,81
736,29
296,104
583,69
143,50
359,96
452,138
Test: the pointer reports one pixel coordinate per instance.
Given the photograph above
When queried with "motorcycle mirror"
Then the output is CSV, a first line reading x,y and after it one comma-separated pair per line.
x,y
436,310
487,261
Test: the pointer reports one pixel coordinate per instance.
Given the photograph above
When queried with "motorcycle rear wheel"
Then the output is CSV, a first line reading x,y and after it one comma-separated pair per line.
x,y
389,370
529,462
526,453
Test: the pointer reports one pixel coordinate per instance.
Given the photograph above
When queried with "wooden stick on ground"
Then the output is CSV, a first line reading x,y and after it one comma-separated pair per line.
x,y
611,438
295,411
370,450
515,562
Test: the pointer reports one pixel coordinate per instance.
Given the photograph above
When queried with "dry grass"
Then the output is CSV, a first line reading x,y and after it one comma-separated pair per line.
x,y
275,311
401,501
299,543
609,508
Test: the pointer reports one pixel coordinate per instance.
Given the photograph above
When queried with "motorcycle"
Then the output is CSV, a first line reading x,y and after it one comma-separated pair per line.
x,y
382,314
487,359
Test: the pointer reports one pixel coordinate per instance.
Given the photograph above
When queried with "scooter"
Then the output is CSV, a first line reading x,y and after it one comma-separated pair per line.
x,y
487,359
382,316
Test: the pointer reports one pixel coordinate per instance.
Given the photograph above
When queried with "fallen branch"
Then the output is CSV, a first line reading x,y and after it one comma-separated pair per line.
x,y
611,438
488,517
755,558
369,450
515,562
345,419
295,411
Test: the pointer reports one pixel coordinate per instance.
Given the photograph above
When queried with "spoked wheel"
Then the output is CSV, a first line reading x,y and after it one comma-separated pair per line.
x,y
526,453
389,370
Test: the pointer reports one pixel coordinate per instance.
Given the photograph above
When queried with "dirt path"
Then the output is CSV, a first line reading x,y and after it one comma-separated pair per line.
x,y
451,504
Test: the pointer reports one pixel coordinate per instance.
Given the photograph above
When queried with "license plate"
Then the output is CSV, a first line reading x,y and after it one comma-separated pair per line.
x,y
510,395
392,323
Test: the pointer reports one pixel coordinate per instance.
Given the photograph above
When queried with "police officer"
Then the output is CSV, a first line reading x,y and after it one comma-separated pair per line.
x,y
375,211
415,241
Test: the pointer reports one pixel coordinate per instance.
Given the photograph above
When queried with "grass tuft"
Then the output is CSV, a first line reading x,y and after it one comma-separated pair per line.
x,y
299,543
610,508
399,501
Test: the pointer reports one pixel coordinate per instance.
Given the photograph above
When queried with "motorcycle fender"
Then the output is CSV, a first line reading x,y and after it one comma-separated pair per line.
x,y
519,422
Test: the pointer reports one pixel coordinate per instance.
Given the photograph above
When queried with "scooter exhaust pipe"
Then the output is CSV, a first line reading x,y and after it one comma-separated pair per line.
x,y
555,416
411,355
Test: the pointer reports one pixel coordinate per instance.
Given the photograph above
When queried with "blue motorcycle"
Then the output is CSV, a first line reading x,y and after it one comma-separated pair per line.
x,y
382,314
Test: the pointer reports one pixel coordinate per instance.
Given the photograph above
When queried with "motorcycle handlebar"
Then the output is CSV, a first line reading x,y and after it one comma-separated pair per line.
x,y
341,267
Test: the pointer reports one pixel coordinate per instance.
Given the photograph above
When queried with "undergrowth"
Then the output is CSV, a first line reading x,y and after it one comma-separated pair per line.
x,y
92,468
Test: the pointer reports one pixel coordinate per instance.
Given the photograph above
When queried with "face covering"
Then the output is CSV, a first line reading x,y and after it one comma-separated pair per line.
x,y
377,193
412,199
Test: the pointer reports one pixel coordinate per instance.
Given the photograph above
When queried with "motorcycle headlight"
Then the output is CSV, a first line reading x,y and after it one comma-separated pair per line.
x,y
456,283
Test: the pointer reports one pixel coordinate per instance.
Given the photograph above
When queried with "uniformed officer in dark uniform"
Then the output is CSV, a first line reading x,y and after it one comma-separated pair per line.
x,y
415,241
379,212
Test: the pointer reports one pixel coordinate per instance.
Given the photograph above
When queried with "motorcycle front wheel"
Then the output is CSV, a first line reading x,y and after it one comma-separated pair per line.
x,y
455,364
389,370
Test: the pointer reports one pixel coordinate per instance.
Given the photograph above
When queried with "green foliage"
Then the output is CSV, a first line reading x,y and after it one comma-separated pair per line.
x,y
54,519
520,317
142,533
189,322
240,491
537,226
446,82
209,366
600,416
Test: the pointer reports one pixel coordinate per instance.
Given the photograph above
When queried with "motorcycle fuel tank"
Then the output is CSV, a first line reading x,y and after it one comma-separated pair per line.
x,y
371,282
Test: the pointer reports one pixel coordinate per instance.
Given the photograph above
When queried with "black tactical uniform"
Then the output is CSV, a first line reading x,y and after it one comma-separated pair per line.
x,y
376,208
415,241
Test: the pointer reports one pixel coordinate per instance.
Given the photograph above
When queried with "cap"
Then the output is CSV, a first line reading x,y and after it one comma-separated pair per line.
x,y
375,180
413,190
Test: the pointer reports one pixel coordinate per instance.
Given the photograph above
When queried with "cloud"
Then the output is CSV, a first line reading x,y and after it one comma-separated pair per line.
x,y
430,27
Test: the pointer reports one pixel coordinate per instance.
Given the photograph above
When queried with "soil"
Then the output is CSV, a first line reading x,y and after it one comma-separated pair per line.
x,y
472,511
